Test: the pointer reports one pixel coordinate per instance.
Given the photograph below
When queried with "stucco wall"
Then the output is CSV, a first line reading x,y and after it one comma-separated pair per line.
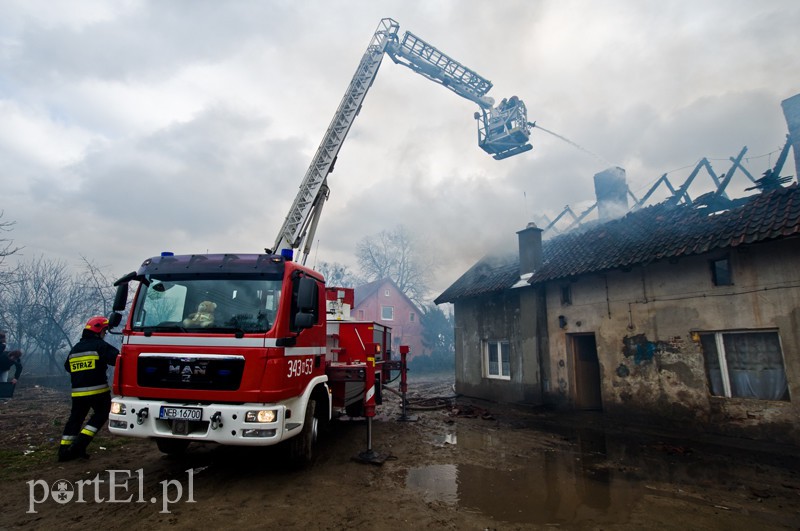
x,y
659,306
512,316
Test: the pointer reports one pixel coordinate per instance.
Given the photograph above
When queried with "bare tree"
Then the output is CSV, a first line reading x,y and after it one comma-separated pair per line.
x,y
395,254
99,291
43,308
337,274
7,248
16,303
99,288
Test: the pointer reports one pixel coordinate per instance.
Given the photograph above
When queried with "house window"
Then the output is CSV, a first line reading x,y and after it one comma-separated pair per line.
x,y
721,272
566,295
497,363
387,313
411,316
360,315
745,365
386,293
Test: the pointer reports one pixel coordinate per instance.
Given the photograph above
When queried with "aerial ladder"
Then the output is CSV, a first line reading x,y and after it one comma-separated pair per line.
x,y
503,130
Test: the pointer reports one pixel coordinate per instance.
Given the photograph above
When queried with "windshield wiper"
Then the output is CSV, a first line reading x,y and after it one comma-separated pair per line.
x,y
238,332
165,327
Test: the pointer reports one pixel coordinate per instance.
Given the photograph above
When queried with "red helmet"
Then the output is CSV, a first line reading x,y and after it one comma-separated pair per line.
x,y
98,323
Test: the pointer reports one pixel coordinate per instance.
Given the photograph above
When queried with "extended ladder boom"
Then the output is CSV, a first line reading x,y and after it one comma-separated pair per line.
x,y
503,131
309,197
426,60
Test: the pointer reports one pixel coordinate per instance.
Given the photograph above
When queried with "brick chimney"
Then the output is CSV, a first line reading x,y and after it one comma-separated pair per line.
x,y
791,110
530,250
611,190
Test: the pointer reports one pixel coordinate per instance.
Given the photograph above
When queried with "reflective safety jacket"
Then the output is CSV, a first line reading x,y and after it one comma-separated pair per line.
x,y
87,364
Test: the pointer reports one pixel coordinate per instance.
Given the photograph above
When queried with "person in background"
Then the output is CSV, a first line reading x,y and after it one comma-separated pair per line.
x,y
87,364
8,360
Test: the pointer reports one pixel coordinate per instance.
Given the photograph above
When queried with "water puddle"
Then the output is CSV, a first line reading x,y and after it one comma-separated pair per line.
x,y
437,482
446,439
550,493
534,485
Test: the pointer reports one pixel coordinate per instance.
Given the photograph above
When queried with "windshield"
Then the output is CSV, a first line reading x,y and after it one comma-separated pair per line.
x,y
207,305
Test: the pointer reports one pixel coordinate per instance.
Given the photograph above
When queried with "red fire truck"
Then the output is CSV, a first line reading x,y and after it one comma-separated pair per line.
x,y
270,363
254,349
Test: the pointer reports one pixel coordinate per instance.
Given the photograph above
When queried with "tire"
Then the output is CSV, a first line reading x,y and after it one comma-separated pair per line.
x,y
172,447
303,447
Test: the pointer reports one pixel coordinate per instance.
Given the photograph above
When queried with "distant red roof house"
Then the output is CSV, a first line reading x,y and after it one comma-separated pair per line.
x,y
383,302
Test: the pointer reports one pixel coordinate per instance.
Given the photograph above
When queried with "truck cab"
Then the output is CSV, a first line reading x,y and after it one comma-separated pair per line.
x,y
222,348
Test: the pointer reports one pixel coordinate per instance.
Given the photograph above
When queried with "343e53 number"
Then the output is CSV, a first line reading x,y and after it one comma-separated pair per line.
x,y
300,367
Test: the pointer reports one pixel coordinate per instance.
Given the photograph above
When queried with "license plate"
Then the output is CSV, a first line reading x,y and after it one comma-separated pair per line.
x,y
181,413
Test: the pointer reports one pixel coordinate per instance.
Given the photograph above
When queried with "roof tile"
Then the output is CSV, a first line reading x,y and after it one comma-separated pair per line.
x,y
653,233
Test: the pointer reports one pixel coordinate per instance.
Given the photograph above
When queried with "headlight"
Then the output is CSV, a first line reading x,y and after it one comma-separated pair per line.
x,y
118,408
262,415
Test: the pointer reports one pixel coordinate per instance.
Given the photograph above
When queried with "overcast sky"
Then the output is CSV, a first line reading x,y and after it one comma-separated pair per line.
x,y
133,127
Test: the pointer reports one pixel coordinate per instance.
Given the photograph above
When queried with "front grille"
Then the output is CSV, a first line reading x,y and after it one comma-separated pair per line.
x,y
189,372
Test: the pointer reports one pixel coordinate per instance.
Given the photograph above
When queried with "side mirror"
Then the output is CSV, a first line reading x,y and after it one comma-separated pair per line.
x,y
304,320
306,294
306,303
127,278
121,298
114,319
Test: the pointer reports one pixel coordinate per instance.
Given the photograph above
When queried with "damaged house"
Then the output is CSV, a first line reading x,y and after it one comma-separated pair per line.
x,y
675,314
682,314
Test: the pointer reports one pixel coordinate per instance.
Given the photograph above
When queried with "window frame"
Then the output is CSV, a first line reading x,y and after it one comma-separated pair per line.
x,y
383,315
722,363
241,302
566,294
486,347
716,278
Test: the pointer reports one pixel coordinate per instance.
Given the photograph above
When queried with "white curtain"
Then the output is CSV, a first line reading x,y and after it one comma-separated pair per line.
x,y
755,365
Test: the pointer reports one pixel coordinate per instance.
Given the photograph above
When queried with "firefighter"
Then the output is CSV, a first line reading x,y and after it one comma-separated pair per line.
x,y
87,364
8,360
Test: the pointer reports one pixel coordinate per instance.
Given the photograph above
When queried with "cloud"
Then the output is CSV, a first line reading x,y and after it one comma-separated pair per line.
x,y
135,127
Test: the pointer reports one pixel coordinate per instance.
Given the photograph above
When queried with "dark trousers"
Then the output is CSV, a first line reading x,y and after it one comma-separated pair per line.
x,y
99,404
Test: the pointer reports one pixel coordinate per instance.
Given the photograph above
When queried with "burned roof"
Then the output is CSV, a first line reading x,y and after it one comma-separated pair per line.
x,y
654,233
491,273
662,231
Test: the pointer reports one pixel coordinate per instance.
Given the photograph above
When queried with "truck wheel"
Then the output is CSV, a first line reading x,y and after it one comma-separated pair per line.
x,y
303,447
172,446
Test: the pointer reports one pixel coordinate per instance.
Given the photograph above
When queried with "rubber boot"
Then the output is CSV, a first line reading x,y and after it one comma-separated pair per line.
x,y
65,453
79,447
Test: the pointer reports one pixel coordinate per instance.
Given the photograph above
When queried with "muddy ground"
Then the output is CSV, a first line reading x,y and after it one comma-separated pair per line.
x,y
462,465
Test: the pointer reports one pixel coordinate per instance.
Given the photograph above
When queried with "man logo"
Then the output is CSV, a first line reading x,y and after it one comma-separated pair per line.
x,y
187,367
